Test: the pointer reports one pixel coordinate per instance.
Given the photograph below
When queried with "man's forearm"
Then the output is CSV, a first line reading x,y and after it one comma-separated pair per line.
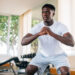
x,y
62,39
28,39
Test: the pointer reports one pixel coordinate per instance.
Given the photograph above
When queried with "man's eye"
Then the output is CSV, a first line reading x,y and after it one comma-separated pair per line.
x,y
45,12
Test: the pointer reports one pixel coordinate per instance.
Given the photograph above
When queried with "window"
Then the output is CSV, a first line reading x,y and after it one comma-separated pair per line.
x,y
34,44
9,34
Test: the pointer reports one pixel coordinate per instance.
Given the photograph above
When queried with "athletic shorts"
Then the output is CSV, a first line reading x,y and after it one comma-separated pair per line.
x,y
42,62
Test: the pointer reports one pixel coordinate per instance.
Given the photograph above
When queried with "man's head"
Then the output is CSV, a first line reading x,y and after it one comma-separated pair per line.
x,y
48,11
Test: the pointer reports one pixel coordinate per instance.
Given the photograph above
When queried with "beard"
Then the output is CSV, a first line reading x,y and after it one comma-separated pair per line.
x,y
48,23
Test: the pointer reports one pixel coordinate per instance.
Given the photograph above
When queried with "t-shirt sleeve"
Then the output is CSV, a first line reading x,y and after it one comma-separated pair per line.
x,y
63,29
34,30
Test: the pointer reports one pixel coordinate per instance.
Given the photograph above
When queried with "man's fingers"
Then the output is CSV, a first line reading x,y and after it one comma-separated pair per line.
x,y
44,29
43,33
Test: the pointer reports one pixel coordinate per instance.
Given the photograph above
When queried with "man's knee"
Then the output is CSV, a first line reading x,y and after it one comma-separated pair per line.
x,y
31,69
65,71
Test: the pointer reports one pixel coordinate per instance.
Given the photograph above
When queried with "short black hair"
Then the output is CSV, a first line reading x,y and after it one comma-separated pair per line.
x,y
52,7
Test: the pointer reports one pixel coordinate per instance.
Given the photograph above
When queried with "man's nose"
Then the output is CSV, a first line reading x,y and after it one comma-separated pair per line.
x,y
44,14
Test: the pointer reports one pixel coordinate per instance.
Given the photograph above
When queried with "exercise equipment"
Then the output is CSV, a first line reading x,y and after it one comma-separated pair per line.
x,y
22,64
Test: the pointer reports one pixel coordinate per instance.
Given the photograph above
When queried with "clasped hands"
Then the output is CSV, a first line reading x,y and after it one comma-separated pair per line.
x,y
45,30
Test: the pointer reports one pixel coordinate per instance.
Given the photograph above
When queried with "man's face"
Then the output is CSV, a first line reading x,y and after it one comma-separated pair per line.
x,y
47,14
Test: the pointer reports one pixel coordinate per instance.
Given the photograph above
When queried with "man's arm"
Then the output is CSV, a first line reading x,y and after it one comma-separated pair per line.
x,y
66,38
29,37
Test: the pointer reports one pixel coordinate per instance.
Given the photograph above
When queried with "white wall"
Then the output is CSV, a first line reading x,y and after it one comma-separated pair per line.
x,y
24,27
66,16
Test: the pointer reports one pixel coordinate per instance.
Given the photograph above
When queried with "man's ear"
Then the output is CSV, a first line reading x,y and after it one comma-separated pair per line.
x,y
53,13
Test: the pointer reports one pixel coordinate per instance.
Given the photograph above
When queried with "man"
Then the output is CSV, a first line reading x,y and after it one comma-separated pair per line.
x,y
50,33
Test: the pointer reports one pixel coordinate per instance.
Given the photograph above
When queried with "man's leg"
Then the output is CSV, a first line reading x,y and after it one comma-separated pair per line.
x,y
31,69
64,70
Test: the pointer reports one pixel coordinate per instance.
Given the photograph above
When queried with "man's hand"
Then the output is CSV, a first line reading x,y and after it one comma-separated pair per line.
x,y
48,30
44,31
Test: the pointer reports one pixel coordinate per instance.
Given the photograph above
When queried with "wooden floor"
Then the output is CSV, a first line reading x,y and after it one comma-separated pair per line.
x,y
9,73
53,71
6,73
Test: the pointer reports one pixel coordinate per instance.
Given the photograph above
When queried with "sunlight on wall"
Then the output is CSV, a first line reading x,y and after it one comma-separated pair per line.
x,y
64,12
73,18
66,15
26,28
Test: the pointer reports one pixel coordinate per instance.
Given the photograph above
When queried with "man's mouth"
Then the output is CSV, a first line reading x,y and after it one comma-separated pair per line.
x,y
45,18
